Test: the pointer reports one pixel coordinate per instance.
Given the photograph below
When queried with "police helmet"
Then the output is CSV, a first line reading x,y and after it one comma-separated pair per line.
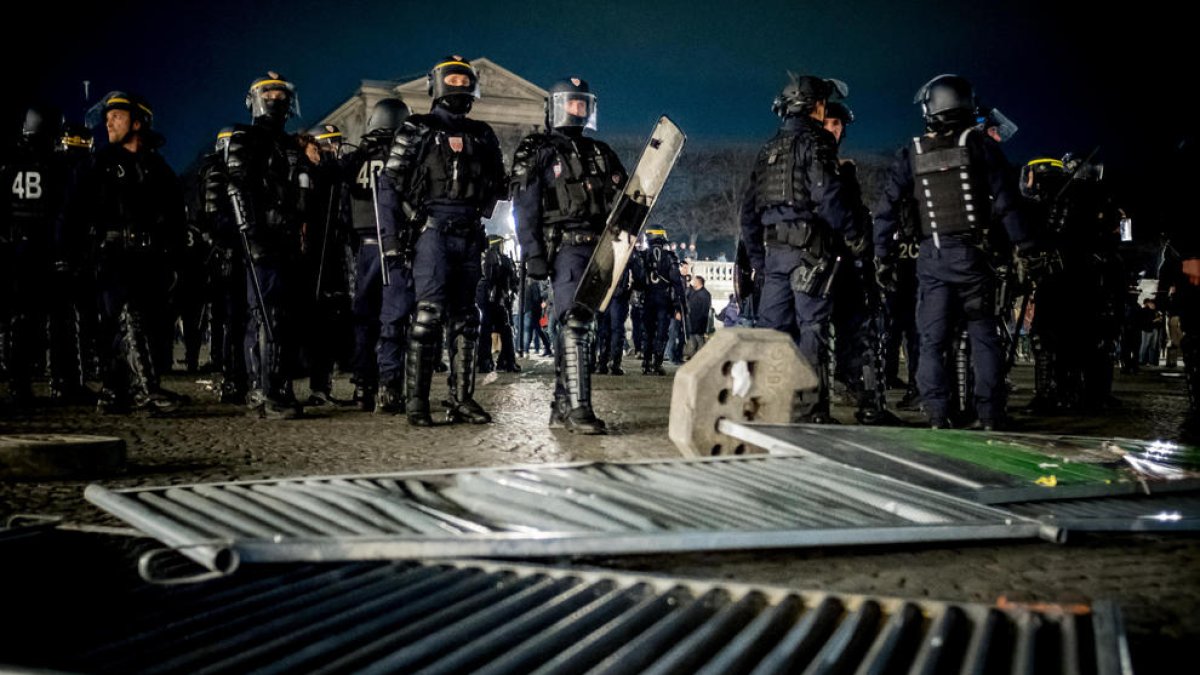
x,y
223,137
947,101
571,103
41,122
839,111
327,136
802,92
139,110
1043,178
272,97
656,234
387,115
439,88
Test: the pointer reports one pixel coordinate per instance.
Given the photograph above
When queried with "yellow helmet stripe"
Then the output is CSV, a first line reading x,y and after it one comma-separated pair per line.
x,y
1053,162
225,134
258,85
118,99
453,63
335,134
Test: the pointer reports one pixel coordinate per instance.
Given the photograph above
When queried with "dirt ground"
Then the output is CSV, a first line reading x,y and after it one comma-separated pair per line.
x,y
1154,578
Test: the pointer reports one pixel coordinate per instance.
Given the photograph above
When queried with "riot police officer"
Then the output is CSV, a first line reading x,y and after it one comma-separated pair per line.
x,y
35,176
497,284
131,204
856,318
73,317
662,295
796,216
381,312
327,325
1076,320
563,185
269,186
446,170
960,180
227,296
610,331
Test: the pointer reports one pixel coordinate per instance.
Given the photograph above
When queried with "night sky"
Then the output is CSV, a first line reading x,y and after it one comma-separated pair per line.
x,y
714,67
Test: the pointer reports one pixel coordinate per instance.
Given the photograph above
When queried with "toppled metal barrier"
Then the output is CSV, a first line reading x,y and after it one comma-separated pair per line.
x,y
546,510
1076,483
483,618
990,467
1158,513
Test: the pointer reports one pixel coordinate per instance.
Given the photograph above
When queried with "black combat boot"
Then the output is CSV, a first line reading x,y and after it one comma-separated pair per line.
x,y
391,398
418,374
462,406
575,345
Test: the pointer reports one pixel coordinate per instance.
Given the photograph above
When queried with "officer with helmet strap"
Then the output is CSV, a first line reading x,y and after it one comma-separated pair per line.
x,y
131,202
383,299
269,186
445,172
961,182
563,185
795,217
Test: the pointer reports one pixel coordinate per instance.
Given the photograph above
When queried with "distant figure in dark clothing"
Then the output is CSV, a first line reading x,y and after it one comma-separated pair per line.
x,y
699,305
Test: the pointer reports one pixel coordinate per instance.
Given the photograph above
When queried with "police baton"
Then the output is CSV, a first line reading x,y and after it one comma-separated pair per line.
x,y
243,225
325,241
384,273
521,314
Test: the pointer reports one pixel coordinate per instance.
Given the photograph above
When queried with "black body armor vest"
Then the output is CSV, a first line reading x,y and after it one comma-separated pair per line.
x,y
368,162
952,192
779,180
586,182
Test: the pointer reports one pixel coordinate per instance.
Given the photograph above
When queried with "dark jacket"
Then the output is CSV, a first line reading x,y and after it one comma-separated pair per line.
x,y
699,304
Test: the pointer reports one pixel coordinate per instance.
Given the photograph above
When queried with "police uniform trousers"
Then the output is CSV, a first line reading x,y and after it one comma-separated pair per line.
x,y
955,281
381,316
446,271
804,316
272,365
610,331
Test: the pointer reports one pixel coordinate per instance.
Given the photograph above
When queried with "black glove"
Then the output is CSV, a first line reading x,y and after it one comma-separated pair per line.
x,y
536,267
857,247
887,275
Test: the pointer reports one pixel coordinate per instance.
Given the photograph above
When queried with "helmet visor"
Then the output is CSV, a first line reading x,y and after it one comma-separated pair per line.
x,y
454,77
573,109
274,98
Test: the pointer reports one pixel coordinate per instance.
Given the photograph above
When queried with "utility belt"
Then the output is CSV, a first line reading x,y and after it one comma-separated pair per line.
x,y
454,227
794,233
967,238
578,238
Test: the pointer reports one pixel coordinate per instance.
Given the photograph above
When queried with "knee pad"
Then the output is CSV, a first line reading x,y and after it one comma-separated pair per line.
x,y
465,324
427,324
578,319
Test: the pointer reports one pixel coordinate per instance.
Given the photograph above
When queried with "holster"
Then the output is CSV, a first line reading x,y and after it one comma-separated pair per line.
x,y
553,234
809,276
